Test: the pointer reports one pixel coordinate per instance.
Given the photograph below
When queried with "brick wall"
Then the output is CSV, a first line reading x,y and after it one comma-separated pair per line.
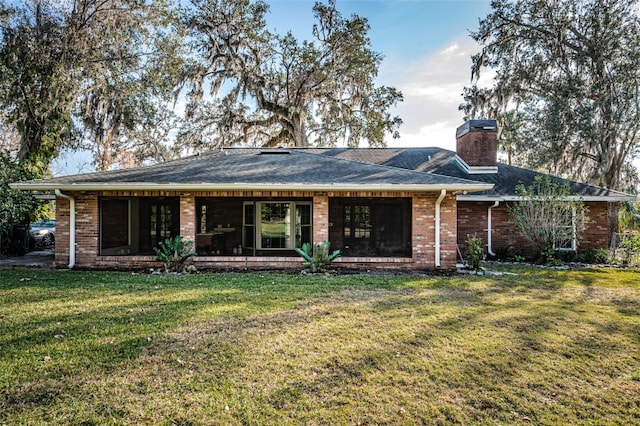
x,y
87,228
472,219
448,231
423,231
320,216
188,216
62,232
596,234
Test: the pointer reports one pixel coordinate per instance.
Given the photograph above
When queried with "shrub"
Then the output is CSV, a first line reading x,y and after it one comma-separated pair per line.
x,y
475,252
629,247
548,216
551,257
567,256
173,252
504,253
318,256
599,256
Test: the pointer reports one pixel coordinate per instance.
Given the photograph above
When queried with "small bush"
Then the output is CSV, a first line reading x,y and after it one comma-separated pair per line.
x,y
173,252
318,257
629,249
567,256
475,252
504,253
597,257
551,257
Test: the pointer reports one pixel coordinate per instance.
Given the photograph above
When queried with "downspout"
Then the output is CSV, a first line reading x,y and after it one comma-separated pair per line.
x,y
72,227
438,202
489,248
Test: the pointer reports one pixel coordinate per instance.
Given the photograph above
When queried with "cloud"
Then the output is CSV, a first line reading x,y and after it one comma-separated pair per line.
x,y
432,87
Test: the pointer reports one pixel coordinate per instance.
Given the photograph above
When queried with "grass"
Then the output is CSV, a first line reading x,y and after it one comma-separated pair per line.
x,y
541,347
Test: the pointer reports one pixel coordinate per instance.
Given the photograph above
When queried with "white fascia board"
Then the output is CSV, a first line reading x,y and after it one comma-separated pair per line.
x,y
592,198
472,187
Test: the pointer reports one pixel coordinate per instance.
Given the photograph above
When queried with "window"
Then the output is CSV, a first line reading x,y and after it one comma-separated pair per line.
x,y
357,222
135,225
203,218
565,236
248,227
161,222
115,217
275,225
280,225
371,226
303,224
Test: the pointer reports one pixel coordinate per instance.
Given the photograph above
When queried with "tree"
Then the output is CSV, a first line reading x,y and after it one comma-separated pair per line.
x,y
271,89
569,70
34,83
16,207
548,216
84,73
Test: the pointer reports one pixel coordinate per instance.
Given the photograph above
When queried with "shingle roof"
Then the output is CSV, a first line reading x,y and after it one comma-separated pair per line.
x,y
443,162
250,168
426,169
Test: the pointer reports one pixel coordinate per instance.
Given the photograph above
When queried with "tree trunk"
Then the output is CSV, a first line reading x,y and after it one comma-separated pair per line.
x,y
614,225
299,132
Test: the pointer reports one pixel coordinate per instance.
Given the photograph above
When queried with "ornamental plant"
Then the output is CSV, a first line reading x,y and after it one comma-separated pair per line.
x,y
173,252
475,252
318,257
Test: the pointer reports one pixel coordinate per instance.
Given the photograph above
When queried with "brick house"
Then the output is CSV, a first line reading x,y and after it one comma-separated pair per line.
x,y
391,208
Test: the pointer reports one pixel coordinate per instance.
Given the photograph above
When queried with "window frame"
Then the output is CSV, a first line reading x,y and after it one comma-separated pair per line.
x,y
139,233
125,249
574,235
256,226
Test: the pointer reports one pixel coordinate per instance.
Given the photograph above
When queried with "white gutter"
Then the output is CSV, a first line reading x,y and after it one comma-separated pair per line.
x,y
438,202
489,248
586,198
72,227
239,186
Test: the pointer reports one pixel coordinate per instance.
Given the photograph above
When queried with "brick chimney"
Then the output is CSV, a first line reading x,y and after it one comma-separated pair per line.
x,y
477,146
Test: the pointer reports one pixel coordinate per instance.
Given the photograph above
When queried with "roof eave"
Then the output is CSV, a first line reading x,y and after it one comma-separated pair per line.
x,y
471,187
584,198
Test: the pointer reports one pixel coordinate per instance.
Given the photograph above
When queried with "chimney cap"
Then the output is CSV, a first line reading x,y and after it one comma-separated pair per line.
x,y
477,126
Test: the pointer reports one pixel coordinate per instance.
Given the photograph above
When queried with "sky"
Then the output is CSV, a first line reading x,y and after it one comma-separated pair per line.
x,y
427,55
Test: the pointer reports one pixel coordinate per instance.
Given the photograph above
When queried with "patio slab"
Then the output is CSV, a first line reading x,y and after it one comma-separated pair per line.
x,y
34,259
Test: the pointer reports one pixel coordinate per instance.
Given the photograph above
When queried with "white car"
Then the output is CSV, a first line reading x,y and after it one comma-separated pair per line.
x,y
44,232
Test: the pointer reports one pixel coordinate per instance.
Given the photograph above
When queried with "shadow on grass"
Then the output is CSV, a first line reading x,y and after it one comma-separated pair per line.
x,y
295,346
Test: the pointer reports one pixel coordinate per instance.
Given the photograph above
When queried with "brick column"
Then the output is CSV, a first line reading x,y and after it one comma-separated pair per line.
x,y
188,217
423,230
62,232
448,232
320,218
87,228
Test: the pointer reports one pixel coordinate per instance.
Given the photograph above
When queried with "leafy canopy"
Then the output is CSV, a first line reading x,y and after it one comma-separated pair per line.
x,y
567,85
271,89
82,73
16,207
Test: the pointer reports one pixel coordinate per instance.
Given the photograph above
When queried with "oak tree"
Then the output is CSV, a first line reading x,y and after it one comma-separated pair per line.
x,y
270,89
84,73
566,86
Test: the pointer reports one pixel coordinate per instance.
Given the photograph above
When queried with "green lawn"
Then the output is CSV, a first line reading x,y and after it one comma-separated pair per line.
x,y
540,347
